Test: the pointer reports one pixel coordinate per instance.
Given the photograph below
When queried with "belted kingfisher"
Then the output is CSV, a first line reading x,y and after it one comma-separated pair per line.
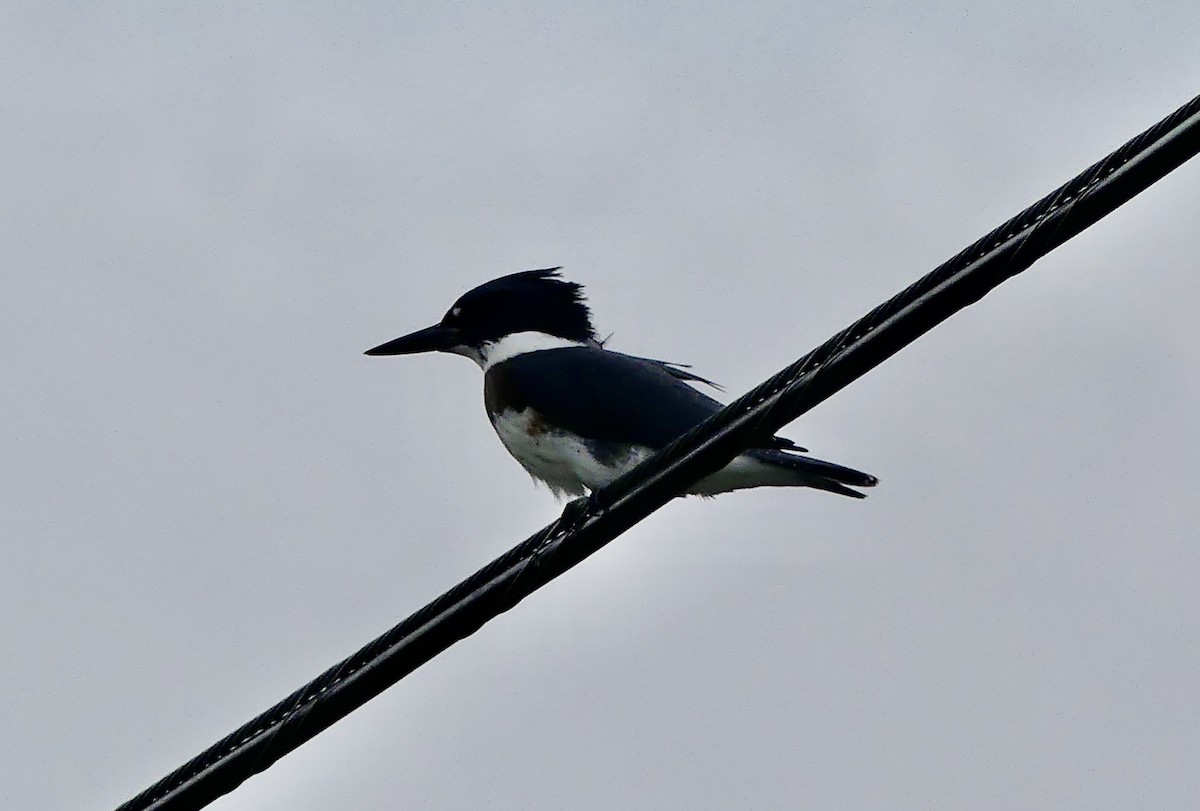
x,y
576,414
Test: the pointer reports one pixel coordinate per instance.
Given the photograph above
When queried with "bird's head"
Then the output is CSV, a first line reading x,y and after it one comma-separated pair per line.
x,y
533,302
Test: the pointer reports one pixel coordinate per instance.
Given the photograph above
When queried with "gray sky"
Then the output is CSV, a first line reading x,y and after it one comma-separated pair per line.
x,y
209,494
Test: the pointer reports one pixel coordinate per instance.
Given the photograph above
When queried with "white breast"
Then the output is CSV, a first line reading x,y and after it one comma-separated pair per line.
x,y
563,461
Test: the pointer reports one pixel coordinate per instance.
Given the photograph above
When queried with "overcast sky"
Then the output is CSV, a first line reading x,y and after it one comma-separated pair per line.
x,y
208,494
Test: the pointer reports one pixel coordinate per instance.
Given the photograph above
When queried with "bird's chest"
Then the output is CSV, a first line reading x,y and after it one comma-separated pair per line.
x,y
567,462
563,461
546,454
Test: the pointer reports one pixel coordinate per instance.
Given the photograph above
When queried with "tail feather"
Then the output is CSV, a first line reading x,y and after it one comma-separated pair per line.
x,y
819,474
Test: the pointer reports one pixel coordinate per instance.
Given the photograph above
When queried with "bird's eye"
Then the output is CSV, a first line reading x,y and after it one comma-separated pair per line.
x,y
453,315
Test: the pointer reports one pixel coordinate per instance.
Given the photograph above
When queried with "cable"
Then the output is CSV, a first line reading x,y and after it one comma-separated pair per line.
x,y
585,527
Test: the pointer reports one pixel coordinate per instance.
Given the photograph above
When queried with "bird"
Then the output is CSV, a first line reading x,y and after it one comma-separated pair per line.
x,y
576,414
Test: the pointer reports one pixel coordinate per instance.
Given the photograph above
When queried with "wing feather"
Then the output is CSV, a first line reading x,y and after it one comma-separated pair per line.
x,y
606,396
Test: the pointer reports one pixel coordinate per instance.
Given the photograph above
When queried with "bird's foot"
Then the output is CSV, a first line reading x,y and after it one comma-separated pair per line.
x,y
577,509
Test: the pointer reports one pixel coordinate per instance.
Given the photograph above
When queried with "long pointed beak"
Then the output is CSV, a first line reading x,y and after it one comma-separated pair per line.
x,y
437,338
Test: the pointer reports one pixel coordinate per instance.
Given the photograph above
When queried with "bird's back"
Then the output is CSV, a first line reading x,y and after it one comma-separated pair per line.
x,y
599,395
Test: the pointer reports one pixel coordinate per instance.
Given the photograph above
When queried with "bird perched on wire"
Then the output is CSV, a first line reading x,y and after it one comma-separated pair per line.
x,y
577,415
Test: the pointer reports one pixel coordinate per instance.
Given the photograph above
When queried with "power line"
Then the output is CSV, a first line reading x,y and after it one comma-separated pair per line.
x,y
583,529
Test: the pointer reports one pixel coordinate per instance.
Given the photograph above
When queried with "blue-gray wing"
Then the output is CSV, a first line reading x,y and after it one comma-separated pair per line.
x,y
604,396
